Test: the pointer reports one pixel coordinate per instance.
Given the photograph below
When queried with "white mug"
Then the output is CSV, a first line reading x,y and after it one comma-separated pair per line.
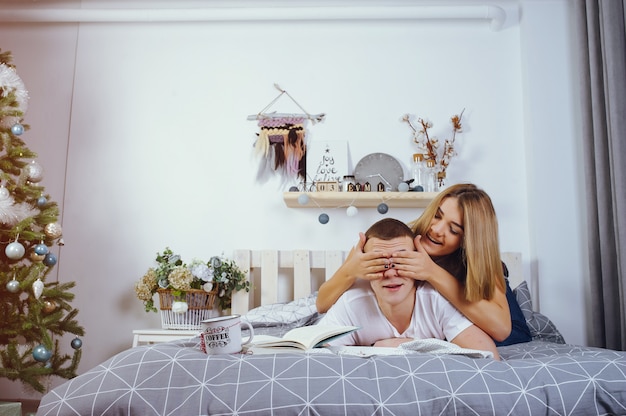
x,y
222,335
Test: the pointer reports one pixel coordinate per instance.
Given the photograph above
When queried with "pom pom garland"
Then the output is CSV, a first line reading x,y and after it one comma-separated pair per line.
x,y
403,187
306,198
303,199
383,208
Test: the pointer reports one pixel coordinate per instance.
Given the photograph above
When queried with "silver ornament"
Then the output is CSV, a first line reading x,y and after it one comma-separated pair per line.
x,y
13,286
53,230
37,288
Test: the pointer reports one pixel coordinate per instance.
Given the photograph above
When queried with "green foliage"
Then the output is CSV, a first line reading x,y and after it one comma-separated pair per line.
x,y
229,279
28,321
219,274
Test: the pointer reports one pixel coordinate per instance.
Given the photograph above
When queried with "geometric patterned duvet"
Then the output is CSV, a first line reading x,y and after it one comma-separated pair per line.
x,y
176,378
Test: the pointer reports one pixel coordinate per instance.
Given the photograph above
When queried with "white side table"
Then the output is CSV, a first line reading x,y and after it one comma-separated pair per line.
x,y
154,336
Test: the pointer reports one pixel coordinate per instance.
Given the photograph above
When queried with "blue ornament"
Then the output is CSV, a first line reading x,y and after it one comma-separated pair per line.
x,y
76,343
323,218
293,189
50,260
41,249
418,188
41,353
17,129
41,201
303,199
383,208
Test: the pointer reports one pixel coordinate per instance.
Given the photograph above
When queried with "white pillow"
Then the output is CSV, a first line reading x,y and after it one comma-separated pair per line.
x,y
298,312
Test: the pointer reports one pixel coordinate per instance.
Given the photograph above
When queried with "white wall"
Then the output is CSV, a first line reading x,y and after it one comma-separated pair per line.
x,y
142,131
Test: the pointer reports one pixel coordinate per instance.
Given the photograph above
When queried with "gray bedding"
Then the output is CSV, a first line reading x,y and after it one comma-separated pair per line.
x,y
176,378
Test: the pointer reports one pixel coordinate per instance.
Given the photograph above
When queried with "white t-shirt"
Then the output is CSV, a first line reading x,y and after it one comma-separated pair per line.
x,y
433,317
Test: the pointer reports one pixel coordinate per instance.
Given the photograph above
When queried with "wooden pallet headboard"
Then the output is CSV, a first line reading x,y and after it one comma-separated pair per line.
x,y
285,275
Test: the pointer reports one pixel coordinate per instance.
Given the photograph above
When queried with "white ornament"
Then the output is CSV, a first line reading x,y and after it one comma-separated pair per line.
x,y
179,307
37,288
15,250
34,171
351,211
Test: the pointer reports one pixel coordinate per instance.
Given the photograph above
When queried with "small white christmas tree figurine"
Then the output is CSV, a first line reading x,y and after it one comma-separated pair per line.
x,y
35,313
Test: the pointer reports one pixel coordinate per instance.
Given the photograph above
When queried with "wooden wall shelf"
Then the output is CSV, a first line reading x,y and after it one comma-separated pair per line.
x,y
360,199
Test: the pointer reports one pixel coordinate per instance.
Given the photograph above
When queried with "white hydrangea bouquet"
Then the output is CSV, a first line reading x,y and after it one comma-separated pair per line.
x,y
219,276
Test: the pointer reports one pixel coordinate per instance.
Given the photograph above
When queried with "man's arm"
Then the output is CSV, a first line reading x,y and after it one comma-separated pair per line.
x,y
475,338
491,315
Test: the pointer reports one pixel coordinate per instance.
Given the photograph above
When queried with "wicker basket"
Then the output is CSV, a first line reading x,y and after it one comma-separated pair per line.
x,y
200,304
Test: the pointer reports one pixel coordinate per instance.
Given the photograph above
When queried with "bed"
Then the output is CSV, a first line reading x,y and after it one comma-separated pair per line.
x,y
543,377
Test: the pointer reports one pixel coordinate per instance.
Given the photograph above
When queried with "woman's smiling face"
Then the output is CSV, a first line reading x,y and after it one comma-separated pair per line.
x,y
445,233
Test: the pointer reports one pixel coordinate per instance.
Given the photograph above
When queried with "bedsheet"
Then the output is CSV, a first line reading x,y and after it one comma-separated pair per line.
x,y
176,378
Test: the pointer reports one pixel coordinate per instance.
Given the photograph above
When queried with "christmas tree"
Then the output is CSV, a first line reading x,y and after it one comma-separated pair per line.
x,y
34,314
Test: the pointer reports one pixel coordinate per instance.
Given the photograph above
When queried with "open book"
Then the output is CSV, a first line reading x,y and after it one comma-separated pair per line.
x,y
303,338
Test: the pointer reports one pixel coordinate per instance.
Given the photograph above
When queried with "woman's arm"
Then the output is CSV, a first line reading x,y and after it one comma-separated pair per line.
x,y
357,265
490,315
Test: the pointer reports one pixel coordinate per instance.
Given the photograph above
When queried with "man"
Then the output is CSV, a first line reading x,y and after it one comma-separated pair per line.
x,y
393,310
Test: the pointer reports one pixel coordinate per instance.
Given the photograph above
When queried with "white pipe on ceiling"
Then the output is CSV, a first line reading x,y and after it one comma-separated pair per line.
x,y
494,15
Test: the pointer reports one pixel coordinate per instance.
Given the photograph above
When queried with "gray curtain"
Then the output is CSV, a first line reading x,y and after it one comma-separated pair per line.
x,y
602,39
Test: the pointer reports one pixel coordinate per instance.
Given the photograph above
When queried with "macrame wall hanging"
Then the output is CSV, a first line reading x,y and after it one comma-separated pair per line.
x,y
281,141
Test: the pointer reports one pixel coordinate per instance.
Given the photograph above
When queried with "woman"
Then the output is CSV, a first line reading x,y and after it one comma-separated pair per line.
x,y
457,253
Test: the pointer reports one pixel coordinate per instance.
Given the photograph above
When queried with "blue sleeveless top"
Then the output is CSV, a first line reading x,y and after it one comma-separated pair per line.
x,y
519,329
520,332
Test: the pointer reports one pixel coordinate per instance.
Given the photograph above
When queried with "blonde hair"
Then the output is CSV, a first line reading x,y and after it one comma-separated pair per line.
x,y
480,248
